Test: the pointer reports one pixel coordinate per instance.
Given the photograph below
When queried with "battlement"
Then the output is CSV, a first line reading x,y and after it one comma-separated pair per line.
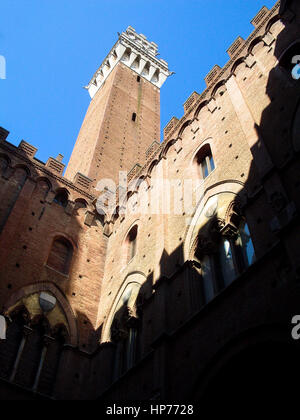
x,y
53,165
136,52
238,47
189,102
259,17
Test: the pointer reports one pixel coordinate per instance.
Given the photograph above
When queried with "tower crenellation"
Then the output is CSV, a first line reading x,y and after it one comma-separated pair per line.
x,y
123,118
136,52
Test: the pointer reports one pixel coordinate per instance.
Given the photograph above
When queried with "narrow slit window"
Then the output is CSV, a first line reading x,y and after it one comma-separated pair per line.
x,y
134,117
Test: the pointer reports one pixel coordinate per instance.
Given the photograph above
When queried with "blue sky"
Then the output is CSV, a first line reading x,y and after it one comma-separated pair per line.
x,y
53,47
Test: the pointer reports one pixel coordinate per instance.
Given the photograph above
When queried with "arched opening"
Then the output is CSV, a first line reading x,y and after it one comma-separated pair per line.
x,y
9,348
155,77
204,161
131,244
61,198
60,256
125,329
80,203
20,175
126,55
146,69
136,64
224,253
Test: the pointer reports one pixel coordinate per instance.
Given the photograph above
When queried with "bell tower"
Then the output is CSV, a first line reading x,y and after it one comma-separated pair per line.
x,y
123,118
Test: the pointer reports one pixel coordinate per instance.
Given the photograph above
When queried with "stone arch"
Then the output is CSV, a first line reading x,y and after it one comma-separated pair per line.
x,y
137,278
237,63
165,150
208,141
57,234
210,206
62,197
151,167
201,106
206,146
126,55
43,185
80,204
272,22
217,87
183,127
61,298
22,166
253,44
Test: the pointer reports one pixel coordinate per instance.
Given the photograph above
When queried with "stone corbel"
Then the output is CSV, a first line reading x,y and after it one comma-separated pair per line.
x,y
250,61
50,197
178,145
89,218
47,340
229,230
268,39
212,106
70,208
108,229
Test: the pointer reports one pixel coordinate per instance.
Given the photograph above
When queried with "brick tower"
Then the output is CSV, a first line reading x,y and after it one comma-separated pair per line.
x,y
123,118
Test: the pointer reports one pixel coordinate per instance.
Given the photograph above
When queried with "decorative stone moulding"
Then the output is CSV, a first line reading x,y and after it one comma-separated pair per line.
x,y
136,52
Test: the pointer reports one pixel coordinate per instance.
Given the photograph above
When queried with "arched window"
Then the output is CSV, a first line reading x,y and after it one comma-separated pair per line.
x,y
131,243
50,359
224,256
30,355
125,329
227,269
60,255
61,198
80,203
204,161
146,69
291,61
9,348
235,254
208,282
20,176
126,55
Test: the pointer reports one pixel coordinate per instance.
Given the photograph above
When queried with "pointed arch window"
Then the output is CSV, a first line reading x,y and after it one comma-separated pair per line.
x,y
61,198
125,330
224,258
204,161
60,256
131,244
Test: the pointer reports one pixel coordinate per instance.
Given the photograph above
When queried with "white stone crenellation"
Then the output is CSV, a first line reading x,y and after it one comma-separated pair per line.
x,y
137,53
